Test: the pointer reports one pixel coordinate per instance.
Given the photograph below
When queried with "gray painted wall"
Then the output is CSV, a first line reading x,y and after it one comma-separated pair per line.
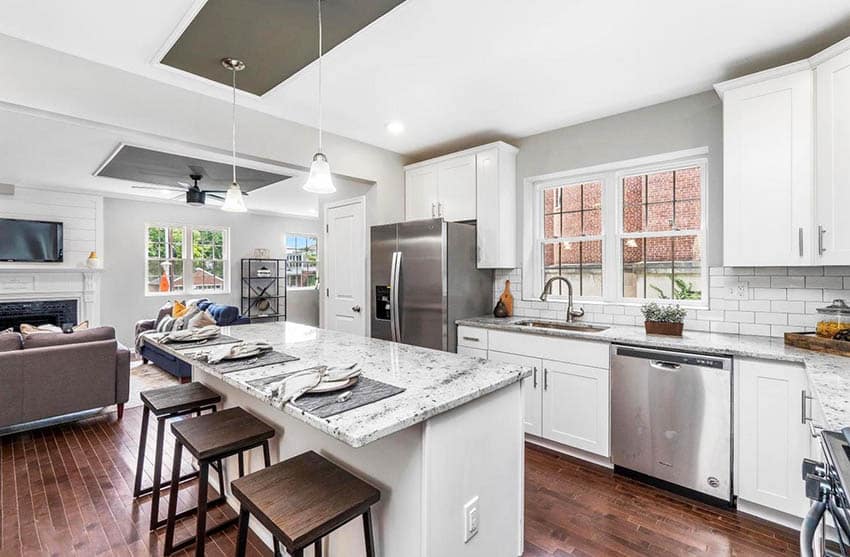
x,y
123,282
686,123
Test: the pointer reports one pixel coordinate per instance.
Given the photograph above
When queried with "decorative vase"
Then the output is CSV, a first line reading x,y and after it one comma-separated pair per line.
x,y
500,310
663,328
92,262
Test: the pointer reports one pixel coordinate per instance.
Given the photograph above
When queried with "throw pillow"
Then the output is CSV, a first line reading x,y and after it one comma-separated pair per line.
x,y
179,309
182,322
27,329
203,319
165,324
81,326
9,330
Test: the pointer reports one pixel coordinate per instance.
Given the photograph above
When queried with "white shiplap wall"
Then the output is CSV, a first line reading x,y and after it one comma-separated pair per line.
x,y
81,214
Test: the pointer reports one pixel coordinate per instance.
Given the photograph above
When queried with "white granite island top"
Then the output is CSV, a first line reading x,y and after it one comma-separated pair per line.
x,y
828,375
434,381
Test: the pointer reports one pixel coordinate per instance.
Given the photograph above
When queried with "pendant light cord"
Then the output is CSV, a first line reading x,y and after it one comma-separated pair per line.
x,y
320,75
233,137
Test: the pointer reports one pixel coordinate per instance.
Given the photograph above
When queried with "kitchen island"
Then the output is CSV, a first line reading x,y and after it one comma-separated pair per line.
x,y
454,434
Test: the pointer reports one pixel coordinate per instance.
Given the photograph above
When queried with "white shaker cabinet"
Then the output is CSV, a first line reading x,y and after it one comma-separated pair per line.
x,y
768,161
532,388
773,434
832,234
477,184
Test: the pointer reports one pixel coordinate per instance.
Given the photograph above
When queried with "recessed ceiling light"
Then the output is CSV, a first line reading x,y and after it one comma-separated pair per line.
x,y
395,127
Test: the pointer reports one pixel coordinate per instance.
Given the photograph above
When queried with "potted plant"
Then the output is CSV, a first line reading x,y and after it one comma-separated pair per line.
x,y
663,320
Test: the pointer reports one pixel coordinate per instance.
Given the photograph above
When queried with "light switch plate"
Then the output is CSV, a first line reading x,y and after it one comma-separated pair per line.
x,y
739,292
471,519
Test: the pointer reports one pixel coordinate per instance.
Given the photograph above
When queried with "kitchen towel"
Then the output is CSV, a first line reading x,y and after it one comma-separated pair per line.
x,y
365,391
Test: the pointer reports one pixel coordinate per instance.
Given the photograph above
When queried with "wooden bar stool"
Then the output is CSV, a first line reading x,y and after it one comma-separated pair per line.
x,y
301,500
165,404
210,438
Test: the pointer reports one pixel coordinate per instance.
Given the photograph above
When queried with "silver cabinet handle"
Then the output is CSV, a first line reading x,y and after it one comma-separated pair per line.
x,y
821,232
535,377
545,379
355,309
472,339
439,209
800,240
433,211
806,413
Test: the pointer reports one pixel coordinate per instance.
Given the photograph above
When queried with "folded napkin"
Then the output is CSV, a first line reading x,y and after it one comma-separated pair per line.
x,y
231,351
187,335
293,386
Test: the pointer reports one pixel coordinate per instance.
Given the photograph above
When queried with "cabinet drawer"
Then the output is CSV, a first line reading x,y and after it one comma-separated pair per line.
x,y
580,352
472,337
474,352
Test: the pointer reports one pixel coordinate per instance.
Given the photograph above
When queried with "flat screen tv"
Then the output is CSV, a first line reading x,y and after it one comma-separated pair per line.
x,y
30,240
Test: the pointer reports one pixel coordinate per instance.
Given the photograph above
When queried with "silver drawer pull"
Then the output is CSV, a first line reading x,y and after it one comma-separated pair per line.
x,y
666,366
473,339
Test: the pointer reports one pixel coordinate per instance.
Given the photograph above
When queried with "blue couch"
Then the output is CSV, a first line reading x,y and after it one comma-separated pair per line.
x,y
224,315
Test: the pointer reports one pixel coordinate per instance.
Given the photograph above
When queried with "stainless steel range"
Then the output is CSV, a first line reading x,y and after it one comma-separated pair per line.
x,y
826,486
671,419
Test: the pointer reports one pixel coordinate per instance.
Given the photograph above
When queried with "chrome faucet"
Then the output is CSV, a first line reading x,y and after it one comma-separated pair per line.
x,y
572,314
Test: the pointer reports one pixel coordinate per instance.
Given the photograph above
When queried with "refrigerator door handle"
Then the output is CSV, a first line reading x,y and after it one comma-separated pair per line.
x,y
392,297
395,307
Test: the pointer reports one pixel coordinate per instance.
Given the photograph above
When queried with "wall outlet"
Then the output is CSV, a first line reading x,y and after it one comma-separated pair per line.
x,y
738,292
471,518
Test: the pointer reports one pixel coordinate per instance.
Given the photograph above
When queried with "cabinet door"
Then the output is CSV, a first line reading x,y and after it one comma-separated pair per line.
x,y
531,388
420,193
773,438
833,163
576,406
489,199
456,186
768,172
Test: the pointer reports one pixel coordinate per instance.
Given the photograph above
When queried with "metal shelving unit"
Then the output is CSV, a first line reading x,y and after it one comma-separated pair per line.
x,y
264,297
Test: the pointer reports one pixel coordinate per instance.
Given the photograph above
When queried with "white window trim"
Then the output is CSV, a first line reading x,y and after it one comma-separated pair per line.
x,y
609,174
188,286
318,259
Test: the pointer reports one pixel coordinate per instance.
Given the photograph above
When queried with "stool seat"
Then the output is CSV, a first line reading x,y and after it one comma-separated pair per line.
x,y
221,434
178,398
304,498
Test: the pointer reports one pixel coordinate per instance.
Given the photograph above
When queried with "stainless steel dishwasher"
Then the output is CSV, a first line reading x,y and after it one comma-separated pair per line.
x,y
671,419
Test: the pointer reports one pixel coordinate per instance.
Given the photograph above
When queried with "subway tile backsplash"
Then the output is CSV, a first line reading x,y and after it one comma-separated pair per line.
x,y
764,301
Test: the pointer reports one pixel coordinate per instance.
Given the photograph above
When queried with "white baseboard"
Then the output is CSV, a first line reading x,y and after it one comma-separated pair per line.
x,y
569,451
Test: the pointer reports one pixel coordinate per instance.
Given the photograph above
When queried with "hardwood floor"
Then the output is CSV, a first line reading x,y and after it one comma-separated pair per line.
x,y
575,508
67,490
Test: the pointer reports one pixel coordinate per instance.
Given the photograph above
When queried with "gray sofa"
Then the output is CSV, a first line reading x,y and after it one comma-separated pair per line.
x,y
44,375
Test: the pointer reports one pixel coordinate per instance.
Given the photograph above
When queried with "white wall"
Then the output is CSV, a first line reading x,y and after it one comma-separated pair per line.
x,y
123,299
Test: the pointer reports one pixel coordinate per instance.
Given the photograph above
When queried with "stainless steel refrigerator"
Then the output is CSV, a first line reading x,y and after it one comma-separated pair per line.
x,y
424,278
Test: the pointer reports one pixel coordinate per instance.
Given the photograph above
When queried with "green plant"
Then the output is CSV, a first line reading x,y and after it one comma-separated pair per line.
x,y
682,291
663,314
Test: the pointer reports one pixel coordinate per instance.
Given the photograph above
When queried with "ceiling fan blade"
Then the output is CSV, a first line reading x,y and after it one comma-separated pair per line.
x,y
157,187
179,196
245,193
215,196
184,184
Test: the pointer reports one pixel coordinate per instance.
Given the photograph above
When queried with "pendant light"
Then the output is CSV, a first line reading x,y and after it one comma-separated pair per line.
x,y
233,202
320,180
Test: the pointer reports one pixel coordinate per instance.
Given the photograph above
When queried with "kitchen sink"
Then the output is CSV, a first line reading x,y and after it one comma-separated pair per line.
x,y
580,327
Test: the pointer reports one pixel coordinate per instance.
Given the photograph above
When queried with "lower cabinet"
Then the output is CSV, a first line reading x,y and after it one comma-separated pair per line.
x,y
773,434
532,388
576,406
469,351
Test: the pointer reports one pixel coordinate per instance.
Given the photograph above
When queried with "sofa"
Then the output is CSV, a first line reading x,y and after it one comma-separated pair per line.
x,y
45,375
224,315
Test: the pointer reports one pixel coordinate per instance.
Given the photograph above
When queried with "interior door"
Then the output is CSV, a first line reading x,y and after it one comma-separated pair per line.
x,y
833,164
532,388
457,187
420,193
345,267
422,284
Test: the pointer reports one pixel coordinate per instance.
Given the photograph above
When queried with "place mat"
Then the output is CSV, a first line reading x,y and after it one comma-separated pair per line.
x,y
365,391
264,359
220,339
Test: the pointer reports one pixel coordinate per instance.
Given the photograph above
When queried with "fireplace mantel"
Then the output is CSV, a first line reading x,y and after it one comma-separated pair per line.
x,y
21,284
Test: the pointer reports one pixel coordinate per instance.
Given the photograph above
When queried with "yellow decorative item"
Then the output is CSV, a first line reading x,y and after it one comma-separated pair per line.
x,y
179,309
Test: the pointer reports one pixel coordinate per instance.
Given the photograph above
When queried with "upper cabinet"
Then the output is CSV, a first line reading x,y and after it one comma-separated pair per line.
x,y
476,184
785,132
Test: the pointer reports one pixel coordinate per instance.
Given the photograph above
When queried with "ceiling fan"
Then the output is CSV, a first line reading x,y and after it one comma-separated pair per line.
x,y
195,196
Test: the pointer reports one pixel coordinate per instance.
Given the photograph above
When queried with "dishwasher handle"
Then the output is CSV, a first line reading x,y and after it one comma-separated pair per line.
x,y
665,366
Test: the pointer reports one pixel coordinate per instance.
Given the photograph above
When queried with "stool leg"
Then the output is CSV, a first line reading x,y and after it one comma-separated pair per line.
x,y
201,530
220,478
242,536
276,547
241,464
157,472
367,533
317,548
267,459
172,499
140,464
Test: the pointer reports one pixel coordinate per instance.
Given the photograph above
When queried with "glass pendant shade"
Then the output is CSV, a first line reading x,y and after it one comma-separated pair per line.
x,y
320,180
233,202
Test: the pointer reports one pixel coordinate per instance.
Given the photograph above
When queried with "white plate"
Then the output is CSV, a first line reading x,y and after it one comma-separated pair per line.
x,y
244,355
330,386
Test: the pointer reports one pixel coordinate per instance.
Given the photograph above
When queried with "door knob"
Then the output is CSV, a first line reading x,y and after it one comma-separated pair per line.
x,y
355,309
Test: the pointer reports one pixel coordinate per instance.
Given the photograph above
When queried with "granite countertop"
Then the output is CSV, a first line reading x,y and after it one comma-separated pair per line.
x,y
435,381
828,375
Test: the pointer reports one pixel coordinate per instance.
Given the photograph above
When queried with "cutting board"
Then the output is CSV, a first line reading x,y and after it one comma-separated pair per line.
x,y
507,298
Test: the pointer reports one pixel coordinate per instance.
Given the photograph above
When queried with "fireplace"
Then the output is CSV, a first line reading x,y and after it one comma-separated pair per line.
x,y
43,312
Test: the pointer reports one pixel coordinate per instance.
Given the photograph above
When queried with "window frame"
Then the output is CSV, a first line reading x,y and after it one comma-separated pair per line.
x,y
286,258
189,287
611,175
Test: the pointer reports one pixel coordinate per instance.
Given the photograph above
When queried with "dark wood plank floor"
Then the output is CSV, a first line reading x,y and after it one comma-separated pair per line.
x,y
575,508
67,490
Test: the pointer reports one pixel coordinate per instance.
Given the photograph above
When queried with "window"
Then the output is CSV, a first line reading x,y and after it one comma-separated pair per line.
x,y
623,232
302,261
167,260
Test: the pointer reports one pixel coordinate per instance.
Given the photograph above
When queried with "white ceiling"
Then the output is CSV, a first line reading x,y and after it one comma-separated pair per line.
x,y
455,72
